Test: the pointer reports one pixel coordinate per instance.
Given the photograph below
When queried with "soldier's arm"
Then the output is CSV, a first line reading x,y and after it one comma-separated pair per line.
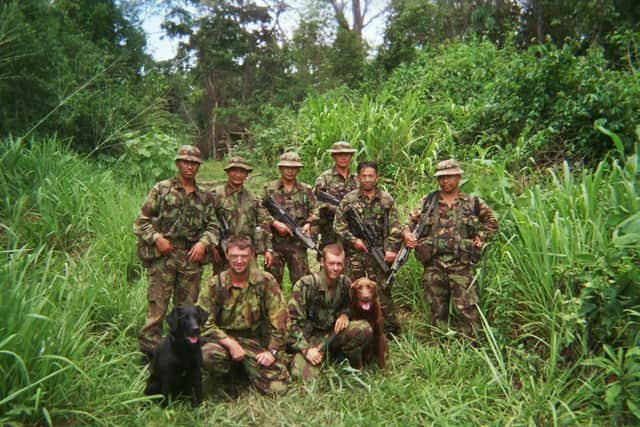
x,y
211,235
278,316
143,226
312,216
488,222
262,220
394,239
341,225
298,315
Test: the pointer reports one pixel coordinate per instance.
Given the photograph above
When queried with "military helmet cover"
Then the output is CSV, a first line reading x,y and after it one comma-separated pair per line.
x,y
189,153
238,162
290,159
341,147
448,167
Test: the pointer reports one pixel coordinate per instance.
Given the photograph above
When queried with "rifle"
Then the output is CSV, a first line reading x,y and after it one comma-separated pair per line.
x,y
325,197
364,231
281,215
224,234
403,254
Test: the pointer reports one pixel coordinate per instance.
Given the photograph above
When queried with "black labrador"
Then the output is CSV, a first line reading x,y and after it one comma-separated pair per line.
x,y
177,360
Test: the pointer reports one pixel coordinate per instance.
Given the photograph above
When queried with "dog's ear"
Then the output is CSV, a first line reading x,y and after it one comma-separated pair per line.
x,y
172,319
203,315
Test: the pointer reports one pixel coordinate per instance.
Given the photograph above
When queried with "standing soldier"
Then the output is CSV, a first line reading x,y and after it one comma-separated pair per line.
x,y
174,227
297,199
320,317
248,322
376,208
337,181
237,208
456,227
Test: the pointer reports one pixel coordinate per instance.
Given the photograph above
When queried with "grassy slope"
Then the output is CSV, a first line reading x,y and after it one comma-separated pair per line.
x,y
87,306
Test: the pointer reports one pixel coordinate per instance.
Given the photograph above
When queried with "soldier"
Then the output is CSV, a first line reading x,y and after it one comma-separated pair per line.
x,y
174,227
298,200
376,208
248,321
236,206
455,233
337,181
320,311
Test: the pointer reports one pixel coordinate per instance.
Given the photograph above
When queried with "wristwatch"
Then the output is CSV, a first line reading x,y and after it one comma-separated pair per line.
x,y
274,352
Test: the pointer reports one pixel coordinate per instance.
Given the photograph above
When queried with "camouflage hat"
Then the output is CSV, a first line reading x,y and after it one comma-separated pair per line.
x,y
448,167
238,162
190,153
290,159
341,147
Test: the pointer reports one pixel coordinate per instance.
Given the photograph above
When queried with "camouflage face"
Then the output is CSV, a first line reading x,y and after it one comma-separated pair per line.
x,y
237,176
239,259
367,178
342,160
187,169
449,183
288,173
332,266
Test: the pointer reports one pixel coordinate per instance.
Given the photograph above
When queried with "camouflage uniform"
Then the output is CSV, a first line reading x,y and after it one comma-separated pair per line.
x,y
183,219
330,181
313,311
300,203
256,317
245,217
379,212
447,253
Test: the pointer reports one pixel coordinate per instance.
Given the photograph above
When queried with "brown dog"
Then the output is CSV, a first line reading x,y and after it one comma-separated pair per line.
x,y
365,305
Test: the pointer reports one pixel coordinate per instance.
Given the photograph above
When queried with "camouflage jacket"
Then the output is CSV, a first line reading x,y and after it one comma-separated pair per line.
x,y
244,215
312,309
168,211
380,212
448,231
244,310
300,203
332,182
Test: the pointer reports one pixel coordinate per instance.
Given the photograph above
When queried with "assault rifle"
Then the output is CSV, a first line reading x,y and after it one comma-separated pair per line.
x,y
325,197
403,255
224,234
364,231
281,215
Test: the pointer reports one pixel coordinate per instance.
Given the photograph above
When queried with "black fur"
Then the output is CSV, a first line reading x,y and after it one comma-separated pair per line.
x,y
176,366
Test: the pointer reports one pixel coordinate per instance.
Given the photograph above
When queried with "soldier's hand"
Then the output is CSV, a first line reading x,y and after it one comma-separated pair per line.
x,y
477,242
235,349
265,358
164,246
410,240
306,229
313,355
281,228
196,253
341,322
390,256
268,259
359,245
216,256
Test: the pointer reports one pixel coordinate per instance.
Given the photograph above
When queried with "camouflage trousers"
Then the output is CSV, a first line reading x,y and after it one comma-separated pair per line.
x,y
173,275
292,255
360,265
350,341
267,379
445,280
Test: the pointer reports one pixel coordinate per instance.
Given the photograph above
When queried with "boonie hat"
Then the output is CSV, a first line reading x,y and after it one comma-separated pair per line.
x,y
290,159
341,147
448,167
190,153
238,162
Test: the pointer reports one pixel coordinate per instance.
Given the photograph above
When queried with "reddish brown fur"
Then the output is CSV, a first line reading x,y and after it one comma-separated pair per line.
x,y
364,290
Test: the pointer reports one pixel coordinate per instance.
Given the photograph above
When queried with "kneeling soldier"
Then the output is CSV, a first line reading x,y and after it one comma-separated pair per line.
x,y
319,312
248,321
